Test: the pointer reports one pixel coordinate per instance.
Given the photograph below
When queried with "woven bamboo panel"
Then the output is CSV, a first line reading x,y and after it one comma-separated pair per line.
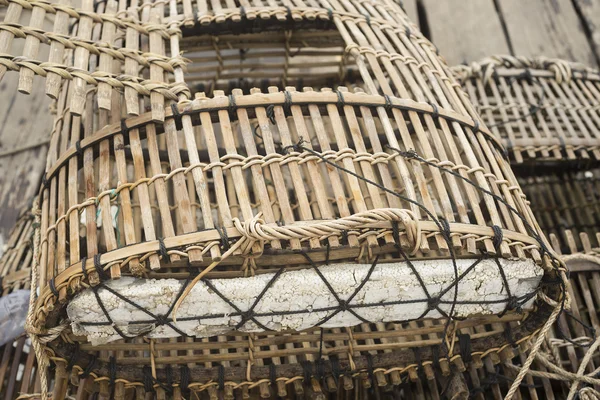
x,y
566,206
208,140
18,368
541,109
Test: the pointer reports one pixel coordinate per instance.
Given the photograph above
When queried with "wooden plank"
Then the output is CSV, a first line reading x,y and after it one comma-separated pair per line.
x,y
465,30
589,11
27,122
548,28
25,125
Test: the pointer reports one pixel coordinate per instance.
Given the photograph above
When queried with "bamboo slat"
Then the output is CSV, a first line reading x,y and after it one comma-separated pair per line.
x,y
542,110
226,139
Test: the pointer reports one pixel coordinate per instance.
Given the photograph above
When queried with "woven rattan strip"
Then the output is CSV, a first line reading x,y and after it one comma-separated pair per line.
x,y
541,109
216,152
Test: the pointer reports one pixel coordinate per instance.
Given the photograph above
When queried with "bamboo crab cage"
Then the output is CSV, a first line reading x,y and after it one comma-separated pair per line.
x,y
18,368
541,109
267,198
546,112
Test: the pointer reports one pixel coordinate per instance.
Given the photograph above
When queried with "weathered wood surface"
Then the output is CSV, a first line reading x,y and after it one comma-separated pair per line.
x,y
590,14
465,30
25,124
410,7
470,30
550,28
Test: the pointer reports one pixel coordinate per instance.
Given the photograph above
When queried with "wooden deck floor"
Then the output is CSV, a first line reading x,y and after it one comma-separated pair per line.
x,y
464,31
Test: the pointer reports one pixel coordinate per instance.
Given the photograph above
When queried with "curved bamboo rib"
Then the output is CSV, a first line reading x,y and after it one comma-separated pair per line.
x,y
233,137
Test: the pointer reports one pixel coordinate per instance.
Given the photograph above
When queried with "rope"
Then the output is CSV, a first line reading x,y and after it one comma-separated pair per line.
x,y
540,339
256,231
32,330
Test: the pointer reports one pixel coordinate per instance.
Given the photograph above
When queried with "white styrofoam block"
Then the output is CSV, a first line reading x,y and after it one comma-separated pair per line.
x,y
304,291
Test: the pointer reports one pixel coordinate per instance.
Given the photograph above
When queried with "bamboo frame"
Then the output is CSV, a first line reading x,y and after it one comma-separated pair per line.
x,y
542,110
148,176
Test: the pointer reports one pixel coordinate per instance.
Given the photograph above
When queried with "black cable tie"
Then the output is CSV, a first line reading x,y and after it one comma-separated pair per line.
x,y
273,374
297,147
475,126
271,113
340,101
78,147
124,128
221,377
232,107
418,359
533,108
408,32
370,368
242,12
508,335
53,287
335,367
344,234
307,371
367,18
528,76
495,75
184,382
435,356
563,145
435,112
162,250
289,12
169,378
330,14
464,342
73,357
498,237
222,231
175,110
112,374
148,379
287,103
388,103
176,115
88,369
83,268
44,181
192,271
445,228
98,267
320,369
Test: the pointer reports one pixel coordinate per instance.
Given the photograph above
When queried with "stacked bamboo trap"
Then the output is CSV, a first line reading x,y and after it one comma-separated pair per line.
x,y
18,369
203,152
546,112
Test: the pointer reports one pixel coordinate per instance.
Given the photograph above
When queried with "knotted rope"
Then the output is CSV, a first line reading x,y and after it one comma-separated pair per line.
x,y
256,231
486,68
